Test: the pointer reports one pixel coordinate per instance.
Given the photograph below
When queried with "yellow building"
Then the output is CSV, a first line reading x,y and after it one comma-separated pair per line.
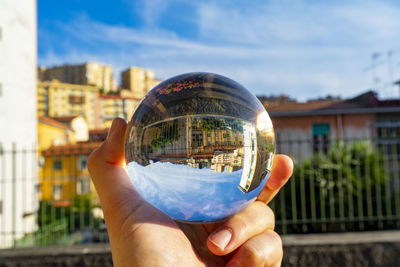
x,y
89,73
113,106
228,162
139,81
98,107
57,99
65,173
78,125
52,132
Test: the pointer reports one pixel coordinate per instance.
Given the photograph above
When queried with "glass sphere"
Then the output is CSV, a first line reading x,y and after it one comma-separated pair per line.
x,y
199,147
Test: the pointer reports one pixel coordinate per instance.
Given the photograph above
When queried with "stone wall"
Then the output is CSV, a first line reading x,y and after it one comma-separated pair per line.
x,y
344,250
65,256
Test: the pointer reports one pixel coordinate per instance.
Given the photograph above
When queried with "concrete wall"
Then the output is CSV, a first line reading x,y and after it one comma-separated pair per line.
x,y
362,249
18,118
66,256
342,125
342,250
294,134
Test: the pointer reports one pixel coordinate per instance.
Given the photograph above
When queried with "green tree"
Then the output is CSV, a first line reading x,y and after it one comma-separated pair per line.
x,y
73,218
168,133
328,189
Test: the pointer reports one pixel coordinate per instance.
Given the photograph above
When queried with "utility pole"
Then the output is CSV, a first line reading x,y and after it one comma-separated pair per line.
x,y
390,65
375,79
390,68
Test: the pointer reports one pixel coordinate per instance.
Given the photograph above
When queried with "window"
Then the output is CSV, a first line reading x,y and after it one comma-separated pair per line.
x,y
57,164
83,186
57,191
388,133
320,133
79,100
82,162
41,162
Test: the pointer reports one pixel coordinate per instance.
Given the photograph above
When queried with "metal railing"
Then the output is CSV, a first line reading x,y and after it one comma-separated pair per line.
x,y
337,186
340,185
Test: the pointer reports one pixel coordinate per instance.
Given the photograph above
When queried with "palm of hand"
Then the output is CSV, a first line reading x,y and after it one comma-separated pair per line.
x,y
140,235
145,240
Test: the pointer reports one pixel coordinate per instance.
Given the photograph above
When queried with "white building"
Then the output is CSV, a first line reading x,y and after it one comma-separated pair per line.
x,y
18,119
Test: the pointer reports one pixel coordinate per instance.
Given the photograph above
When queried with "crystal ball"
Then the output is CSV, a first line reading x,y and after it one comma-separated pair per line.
x,y
199,147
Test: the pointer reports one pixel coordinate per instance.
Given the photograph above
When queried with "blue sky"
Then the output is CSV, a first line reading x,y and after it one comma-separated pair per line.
x,y
305,49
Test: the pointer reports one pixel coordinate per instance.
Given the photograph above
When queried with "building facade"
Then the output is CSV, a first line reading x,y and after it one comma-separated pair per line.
x,y
65,175
18,120
89,73
305,128
57,99
139,81
113,106
52,132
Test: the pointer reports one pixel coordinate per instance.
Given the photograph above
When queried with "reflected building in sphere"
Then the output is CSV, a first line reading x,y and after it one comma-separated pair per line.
x,y
199,135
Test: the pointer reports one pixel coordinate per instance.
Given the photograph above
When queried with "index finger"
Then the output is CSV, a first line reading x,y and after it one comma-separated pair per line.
x,y
282,169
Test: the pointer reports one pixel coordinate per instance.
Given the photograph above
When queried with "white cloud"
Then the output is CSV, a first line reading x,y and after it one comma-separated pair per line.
x,y
274,47
188,193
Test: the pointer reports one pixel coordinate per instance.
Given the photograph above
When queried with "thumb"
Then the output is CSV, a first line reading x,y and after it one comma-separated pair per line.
x,y
112,150
106,168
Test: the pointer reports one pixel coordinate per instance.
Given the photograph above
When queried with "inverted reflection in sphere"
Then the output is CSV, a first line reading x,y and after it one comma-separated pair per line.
x,y
199,147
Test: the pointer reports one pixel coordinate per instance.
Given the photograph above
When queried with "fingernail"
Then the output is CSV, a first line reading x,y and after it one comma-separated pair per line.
x,y
233,264
221,238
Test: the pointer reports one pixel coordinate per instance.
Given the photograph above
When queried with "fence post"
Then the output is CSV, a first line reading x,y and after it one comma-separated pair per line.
x,y
14,190
2,186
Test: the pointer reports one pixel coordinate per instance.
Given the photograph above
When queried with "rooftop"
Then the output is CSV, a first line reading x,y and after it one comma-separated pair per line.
x,y
71,149
65,119
53,122
113,96
367,102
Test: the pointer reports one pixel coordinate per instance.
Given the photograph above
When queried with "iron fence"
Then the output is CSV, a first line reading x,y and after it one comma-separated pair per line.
x,y
338,185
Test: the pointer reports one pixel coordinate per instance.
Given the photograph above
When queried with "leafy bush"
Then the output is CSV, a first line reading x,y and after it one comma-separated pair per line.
x,y
337,191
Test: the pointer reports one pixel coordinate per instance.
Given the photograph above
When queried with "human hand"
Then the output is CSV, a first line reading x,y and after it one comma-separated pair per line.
x,y
141,235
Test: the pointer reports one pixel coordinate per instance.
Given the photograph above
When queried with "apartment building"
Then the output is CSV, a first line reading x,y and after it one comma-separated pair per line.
x,y
305,128
113,106
56,99
138,80
90,73
64,173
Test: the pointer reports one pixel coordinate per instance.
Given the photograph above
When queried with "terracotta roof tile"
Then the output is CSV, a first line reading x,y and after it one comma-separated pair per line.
x,y
64,119
294,106
53,122
71,149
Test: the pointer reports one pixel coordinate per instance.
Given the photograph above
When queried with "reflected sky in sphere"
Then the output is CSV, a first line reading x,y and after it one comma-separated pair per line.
x,y
199,147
